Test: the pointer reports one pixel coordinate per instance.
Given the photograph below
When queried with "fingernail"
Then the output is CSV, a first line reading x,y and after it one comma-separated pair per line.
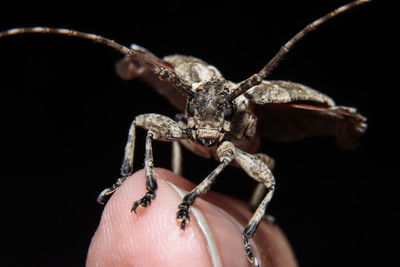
x,y
205,229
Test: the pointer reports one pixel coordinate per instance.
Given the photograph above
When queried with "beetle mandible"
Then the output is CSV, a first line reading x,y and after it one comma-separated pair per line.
x,y
222,119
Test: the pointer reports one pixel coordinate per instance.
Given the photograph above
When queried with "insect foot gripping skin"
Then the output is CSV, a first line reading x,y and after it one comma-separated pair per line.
x,y
222,119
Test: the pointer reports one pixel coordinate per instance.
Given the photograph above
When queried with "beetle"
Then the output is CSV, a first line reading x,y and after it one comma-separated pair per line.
x,y
222,119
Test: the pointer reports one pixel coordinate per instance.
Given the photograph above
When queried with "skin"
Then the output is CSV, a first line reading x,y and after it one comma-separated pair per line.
x,y
152,237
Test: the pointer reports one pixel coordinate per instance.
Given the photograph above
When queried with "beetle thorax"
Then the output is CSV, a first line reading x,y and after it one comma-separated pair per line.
x,y
209,113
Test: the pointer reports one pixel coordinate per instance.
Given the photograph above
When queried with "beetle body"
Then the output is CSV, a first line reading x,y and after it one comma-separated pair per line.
x,y
223,119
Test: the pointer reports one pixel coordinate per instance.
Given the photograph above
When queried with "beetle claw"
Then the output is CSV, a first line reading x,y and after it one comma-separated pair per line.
x,y
183,214
144,201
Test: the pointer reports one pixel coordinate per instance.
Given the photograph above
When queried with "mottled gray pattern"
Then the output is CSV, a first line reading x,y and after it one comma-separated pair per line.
x,y
286,92
192,69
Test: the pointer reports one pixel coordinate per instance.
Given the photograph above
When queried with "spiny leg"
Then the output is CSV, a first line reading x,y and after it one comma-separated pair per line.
x,y
225,153
127,165
151,182
257,169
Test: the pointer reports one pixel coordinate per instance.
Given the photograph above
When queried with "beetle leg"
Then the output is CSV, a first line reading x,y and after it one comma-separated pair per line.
x,y
266,159
260,190
151,182
225,153
256,168
159,128
127,165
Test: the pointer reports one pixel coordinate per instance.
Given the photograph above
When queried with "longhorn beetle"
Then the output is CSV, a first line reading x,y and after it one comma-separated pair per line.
x,y
222,119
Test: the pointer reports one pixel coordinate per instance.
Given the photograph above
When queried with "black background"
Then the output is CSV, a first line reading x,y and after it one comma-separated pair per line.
x,y
66,114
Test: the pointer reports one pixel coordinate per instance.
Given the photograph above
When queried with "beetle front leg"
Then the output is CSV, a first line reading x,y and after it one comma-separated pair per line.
x,y
151,182
256,168
260,190
159,128
225,154
127,164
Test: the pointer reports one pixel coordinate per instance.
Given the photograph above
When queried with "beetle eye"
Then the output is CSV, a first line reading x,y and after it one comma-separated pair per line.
x,y
190,110
228,114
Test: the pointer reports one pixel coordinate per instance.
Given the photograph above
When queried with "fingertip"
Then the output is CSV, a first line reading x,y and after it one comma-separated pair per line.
x,y
152,236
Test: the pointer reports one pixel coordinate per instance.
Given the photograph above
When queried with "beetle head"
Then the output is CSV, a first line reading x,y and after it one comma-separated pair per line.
x,y
209,113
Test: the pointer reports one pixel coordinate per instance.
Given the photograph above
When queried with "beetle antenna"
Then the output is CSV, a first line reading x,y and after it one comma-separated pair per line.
x,y
264,72
162,72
